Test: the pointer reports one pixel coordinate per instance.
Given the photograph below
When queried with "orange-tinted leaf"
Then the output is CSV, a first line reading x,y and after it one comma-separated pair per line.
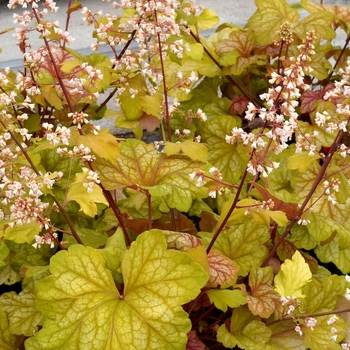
x,y
194,343
263,300
75,7
149,122
289,208
208,221
286,250
269,17
181,241
223,271
340,12
239,40
137,225
141,165
59,55
183,224
308,99
239,104
6,30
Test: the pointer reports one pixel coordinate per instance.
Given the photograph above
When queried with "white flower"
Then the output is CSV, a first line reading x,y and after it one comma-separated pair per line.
x,y
332,320
298,330
347,294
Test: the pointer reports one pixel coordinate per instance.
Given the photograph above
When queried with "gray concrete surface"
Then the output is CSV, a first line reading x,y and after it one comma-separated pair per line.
x,y
234,11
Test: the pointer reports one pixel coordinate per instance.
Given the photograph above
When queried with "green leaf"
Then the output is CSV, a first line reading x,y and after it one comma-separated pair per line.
x,y
263,300
293,276
142,165
207,19
223,298
87,201
23,233
269,17
22,313
84,310
193,150
7,339
231,160
244,244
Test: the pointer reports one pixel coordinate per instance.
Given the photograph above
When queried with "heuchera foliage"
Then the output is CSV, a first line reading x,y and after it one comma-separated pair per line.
x,y
219,234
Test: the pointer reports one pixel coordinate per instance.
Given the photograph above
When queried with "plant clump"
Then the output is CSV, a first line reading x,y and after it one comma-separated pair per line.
x,y
231,230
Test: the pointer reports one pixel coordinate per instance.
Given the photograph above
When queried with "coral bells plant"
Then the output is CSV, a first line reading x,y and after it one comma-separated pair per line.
x,y
229,231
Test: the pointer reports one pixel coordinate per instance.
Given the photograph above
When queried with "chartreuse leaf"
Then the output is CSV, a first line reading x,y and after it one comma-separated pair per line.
x,y
235,52
341,13
23,233
103,144
320,337
21,311
223,298
207,19
319,22
323,295
330,251
84,309
152,105
87,201
263,300
266,21
132,105
193,150
231,160
293,276
4,252
302,161
196,51
7,339
244,244
284,337
113,253
245,332
141,165
322,227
